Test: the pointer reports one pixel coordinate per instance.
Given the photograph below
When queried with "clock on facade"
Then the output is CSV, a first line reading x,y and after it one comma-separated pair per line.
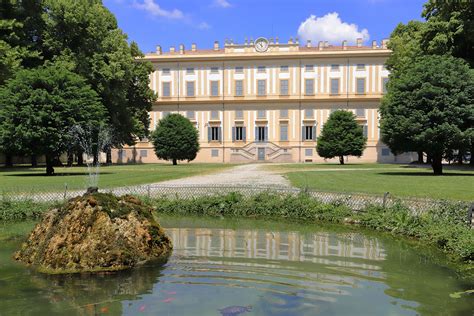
x,y
261,44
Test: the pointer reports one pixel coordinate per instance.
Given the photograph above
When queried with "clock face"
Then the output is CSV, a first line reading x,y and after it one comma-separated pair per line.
x,y
261,44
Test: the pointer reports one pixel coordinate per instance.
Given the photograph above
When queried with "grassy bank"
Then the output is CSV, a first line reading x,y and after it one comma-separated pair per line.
x,y
399,180
444,227
34,179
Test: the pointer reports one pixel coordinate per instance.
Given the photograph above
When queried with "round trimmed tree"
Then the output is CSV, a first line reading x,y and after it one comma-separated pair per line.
x,y
175,138
341,136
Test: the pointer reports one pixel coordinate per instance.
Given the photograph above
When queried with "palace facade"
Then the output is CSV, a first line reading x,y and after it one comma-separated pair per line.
x,y
267,101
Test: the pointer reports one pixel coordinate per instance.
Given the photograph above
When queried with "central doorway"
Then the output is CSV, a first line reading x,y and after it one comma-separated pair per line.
x,y
261,153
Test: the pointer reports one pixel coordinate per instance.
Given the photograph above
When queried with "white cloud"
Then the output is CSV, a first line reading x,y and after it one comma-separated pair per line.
x,y
222,3
203,26
154,9
330,28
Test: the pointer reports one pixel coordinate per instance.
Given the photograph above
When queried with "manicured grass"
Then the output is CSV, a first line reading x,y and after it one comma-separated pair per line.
x,y
399,180
34,179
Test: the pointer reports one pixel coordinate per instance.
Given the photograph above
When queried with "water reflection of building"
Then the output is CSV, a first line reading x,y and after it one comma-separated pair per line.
x,y
291,246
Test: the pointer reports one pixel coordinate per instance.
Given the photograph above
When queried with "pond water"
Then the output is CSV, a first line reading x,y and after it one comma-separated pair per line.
x,y
237,267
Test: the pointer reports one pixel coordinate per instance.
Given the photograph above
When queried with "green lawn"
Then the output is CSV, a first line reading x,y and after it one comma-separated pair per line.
x,y
399,180
34,179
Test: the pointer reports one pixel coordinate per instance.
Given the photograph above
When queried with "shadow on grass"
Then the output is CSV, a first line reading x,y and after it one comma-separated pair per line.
x,y
414,174
58,174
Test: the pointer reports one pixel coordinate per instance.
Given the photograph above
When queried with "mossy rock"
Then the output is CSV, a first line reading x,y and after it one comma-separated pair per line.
x,y
95,232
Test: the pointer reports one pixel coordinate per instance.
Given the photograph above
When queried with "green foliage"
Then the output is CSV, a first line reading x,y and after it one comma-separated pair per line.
x,y
85,33
21,210
429,107
405,45
341,136
449,28
175,138
39,106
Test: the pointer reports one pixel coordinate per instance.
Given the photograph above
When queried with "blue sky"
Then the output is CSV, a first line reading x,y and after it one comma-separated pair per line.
x,y
174,22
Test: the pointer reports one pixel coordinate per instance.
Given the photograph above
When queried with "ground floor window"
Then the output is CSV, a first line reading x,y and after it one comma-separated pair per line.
x,y
385,152
143,153
261,133
238,133
309,132
215,153
308,152
214,133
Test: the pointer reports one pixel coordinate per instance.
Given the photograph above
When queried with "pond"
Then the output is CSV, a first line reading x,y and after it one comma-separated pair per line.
x,y
240,267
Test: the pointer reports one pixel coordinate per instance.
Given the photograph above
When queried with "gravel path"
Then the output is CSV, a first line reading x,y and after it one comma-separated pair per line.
x,y
249,174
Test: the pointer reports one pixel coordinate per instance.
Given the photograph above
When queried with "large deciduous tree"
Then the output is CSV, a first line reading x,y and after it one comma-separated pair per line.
x,y
85,32
38,108
429,107
341,136
175,138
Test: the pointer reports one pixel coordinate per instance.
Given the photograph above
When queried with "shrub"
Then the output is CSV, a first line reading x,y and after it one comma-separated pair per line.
x,y
21,210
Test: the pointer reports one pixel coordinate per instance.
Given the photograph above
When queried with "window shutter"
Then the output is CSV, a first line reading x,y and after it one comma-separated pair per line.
x,y
302,132
219,133
209,134
365,130
233,134
244,138
314,132
266,133
256,133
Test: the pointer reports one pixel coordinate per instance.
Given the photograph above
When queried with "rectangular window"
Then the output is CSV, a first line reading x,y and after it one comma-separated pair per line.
x,y
214,70
190,115
334,67
214,88
308,152
360,67
283,113
143,153
190,88
261,69
283,132
309,86
239,114
215,153
261,133
308,113
239,133
261,87
334,86
365,131
309,68
308,132
284,87
261,114
122,154
189,71
360,85
384,85
284,68
239,70
214,115
215,133
360,112
239,88
165,71
385,152
166,89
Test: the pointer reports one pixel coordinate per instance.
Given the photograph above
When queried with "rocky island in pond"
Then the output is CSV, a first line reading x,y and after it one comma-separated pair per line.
x,y
95,232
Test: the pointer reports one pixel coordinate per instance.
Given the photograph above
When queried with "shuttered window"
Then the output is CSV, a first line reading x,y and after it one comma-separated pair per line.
x,y
334,86
239,88
214,88
190,88
238,133
166,89
214,133
309,86
284,87
360,85
284,132
261,87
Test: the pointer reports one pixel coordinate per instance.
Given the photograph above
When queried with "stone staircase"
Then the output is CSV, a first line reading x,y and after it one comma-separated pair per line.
x,y
249,153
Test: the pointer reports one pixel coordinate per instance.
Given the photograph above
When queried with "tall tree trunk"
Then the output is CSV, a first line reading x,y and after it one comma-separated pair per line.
x,y
70,158
96,159
420,157
108,159
471,161
175,162
49,165
429,158
341,160
80,158
437,164
57,162
34,161
8,160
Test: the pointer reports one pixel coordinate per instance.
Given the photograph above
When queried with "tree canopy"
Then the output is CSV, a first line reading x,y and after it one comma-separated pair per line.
x,y
429,107
341,136
175,138
39,106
